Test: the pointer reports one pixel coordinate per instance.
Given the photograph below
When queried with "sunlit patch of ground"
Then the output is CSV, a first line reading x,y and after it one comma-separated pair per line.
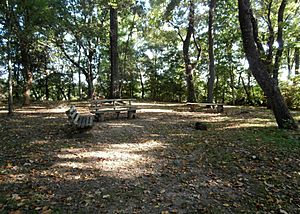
x,y
122,160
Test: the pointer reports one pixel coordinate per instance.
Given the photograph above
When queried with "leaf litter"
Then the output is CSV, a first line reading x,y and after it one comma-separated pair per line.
x,y
156,163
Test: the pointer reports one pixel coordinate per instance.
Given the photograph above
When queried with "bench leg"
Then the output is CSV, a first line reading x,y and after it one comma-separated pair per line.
x,y
118,114
131,114
99,117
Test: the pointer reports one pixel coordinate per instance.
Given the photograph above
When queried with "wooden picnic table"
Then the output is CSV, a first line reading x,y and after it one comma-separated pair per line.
x,y
102,106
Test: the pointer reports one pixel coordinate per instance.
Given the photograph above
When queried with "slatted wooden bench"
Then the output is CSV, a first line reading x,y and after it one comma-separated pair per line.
x,y
101,107
79,120
218,106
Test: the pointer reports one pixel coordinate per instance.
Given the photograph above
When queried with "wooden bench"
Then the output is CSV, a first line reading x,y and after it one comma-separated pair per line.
x,y
79,120
218,106
100,107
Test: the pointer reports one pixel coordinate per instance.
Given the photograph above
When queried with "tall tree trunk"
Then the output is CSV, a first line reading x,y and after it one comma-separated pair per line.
x,y
28,77
211,78
115,76
79,77
297,59
9,64
279,40
247,89
47,86
259,69
142,85
188,65
231,84
289,63
89,75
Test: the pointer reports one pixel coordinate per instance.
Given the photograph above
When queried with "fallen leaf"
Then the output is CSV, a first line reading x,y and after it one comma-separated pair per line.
x,y
106,196
283,211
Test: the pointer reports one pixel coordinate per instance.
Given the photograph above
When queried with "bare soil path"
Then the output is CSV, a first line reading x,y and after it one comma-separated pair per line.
x,y
156,163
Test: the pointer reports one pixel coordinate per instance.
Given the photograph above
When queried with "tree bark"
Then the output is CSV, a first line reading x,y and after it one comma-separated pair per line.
x,y
188,65
259,69
115,76
9,64
25,58
211,78
279,40
297,59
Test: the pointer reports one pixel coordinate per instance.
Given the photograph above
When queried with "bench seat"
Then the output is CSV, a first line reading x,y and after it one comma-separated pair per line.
x,y
79,120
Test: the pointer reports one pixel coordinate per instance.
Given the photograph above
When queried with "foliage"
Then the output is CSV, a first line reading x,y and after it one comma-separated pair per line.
x,y
70,39
291,92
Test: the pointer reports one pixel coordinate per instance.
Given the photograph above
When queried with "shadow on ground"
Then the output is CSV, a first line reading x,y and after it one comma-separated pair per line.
x,y
155,163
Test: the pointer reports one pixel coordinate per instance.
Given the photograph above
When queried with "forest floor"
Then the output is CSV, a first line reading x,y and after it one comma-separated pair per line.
x,y
156,163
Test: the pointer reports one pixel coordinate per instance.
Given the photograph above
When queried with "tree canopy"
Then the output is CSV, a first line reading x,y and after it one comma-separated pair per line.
x,y
189,50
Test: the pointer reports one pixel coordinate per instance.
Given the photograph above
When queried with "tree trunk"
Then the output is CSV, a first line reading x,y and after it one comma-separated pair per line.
x,y
289,64
297,59
211,78
89,75
231,84
47,86
188,65
28,77
79,76
9,67
259,70
114,84
279,40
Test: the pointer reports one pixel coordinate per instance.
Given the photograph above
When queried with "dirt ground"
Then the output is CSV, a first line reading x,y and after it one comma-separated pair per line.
x,y
155,163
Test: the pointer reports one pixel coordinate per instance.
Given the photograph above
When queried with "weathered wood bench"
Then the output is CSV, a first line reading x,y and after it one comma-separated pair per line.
x,y
79,120
101,107
218,106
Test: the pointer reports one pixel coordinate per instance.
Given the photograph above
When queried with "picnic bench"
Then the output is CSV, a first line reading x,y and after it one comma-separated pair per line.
x,y
79,120
218,106
103,106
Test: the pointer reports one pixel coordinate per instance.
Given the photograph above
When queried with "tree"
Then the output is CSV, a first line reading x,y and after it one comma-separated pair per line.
x,y
9,58
297,58
187,44
259,68
81,34
211,79
115,75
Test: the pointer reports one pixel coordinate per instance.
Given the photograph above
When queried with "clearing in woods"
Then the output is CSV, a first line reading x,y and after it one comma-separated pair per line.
x,y
156,163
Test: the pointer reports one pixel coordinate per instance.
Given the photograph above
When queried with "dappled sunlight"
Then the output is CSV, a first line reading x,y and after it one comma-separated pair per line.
x,y
161,104
155,111
120,160
39,142
179,135
247,125
122,124
15,178
144,146
30,111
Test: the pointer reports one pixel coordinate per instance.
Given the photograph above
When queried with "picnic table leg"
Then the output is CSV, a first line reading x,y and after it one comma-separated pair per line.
x,y
118,114
131,114
220,108
99,117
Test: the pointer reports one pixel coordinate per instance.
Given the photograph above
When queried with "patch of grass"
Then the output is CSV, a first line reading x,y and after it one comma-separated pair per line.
x,y
281,140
